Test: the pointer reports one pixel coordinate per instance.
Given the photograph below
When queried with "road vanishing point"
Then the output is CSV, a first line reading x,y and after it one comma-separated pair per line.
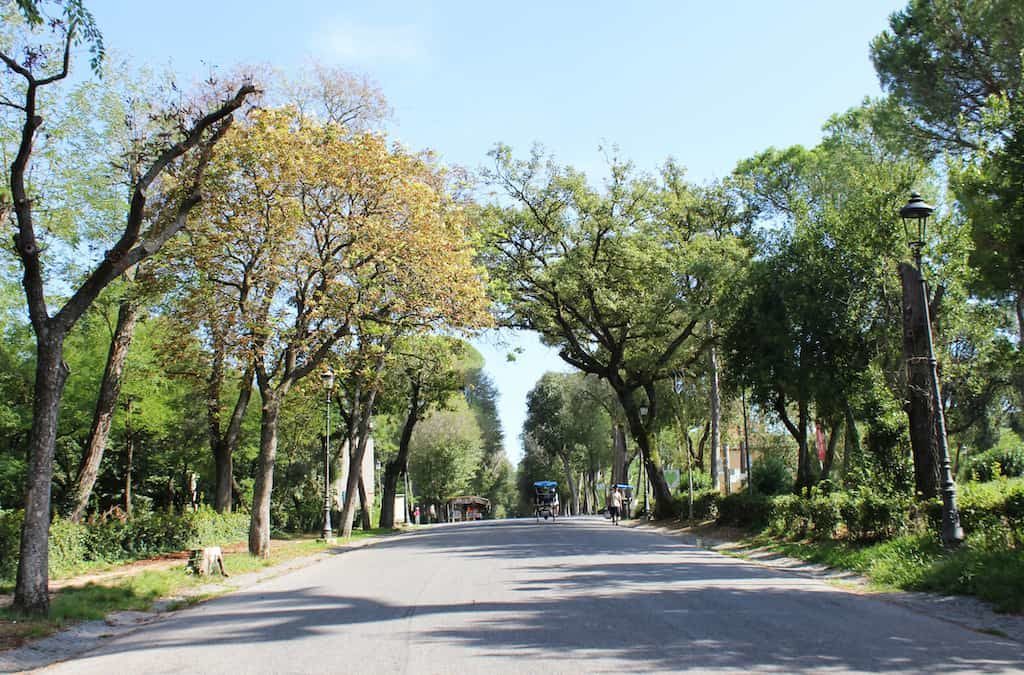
x,y
569,596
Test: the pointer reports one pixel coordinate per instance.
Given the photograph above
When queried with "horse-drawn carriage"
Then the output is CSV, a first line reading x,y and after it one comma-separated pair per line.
x,y
545,502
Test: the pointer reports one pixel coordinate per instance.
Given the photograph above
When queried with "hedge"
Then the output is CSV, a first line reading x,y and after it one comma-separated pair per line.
x,y
865,515
114,540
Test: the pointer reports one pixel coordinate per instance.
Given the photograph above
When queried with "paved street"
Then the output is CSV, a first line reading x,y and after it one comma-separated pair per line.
x,y
573,596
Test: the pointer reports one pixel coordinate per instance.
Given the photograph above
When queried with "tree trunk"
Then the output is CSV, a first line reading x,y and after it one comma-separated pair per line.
x,y
129,458
830,452
106,403
364,504
574,500
392,472
259,523
31,590
399,466
716,412
851,446
357,450
664,506
920,407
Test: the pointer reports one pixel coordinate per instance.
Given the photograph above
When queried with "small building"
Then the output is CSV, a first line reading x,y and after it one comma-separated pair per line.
x,y
468,507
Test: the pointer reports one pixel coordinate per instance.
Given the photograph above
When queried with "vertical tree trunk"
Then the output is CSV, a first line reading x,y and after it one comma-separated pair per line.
x,y
920,406
224,442
830,452
574,501
716,412
399,466
106,403
129,458
364,504
664,506
851,446
31,590
259,523
392,472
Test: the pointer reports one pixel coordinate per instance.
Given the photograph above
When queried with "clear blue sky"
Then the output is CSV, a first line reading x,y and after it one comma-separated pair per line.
x,y
708,83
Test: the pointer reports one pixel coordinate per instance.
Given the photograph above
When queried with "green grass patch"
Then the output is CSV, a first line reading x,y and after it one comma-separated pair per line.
x,y
918,563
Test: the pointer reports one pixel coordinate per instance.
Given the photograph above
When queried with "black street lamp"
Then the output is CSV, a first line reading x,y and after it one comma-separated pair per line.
x,y
328,532
915,223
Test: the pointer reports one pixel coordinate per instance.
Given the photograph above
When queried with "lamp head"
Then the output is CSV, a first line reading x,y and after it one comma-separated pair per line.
x,y
915,216
327,377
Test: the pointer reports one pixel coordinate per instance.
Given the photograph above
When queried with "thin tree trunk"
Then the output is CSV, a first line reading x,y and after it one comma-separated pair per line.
x,y
106,404
364,504
574,502
920,407
399,466
224,445
31,590
259,523
716,412
851,448
830,452
129,458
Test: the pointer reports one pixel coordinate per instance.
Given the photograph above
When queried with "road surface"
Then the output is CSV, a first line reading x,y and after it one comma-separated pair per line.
x,y
572,596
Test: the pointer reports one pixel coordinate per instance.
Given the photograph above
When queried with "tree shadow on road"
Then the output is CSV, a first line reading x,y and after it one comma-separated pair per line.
x,y
667,608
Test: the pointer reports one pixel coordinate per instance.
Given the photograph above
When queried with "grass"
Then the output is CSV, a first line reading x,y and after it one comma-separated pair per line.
x,y
139,591
980,567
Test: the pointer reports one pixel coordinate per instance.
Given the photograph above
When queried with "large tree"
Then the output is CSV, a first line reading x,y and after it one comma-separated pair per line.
x,y
620,280
174,166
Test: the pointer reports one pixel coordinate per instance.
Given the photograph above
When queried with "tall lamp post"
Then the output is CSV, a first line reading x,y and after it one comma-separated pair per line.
x,y
915,222
328,532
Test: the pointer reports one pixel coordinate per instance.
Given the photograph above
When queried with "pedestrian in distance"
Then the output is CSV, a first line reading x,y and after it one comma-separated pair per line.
x,y
614,504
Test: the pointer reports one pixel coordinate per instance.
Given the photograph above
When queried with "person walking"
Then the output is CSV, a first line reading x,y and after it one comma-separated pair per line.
x,y
614,504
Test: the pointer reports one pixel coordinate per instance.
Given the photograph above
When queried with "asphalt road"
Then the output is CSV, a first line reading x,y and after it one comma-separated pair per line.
x,y
573,596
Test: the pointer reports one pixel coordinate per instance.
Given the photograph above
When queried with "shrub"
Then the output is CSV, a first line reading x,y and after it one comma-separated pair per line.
x,y
744,510
1003,460
770,476
825,513
790,516
114,539
870,515
705,504
10,539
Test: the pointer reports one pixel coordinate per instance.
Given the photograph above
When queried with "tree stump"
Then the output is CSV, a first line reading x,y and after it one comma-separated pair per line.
x,y
202,561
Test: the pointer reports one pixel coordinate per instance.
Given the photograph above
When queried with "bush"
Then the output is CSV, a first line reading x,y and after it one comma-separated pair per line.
x,y
870,515
1003,460
10,538
770,476
744,510
114,539
705,504
825,513
789,516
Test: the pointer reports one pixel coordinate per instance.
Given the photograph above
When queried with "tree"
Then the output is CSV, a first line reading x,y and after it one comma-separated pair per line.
x,y
619,281
181,162
427,372
444,453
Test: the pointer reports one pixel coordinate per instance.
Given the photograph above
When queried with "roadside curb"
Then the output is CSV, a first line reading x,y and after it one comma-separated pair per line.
x,y
965,611
85,636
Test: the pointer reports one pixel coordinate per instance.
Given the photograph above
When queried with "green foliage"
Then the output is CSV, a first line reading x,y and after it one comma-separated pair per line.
x,y
771,476
115,540
1006,459
706,504
444,454
745,510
